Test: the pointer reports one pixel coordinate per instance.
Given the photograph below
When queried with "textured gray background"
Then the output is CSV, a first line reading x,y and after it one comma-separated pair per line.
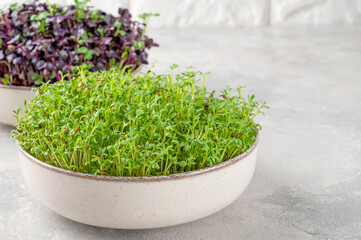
x,y
307,184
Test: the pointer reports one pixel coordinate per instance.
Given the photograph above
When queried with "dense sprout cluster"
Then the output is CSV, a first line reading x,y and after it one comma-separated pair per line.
x,y
112,123
37,40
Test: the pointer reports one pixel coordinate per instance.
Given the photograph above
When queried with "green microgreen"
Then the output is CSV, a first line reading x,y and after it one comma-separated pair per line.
x,y
113,123
5,80
117,26
14,6
146,17
83,50
138,45
38,79
101,31
81,7
89,55
50,7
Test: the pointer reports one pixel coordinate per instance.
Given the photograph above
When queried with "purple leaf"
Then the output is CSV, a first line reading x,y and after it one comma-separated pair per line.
x,y
40,65
105,40
15,40
2,56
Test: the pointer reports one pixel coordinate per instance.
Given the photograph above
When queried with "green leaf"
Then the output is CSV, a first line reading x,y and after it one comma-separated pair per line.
x,y
39,81
43,15
34,17
141,45
83,50
5,80
112,62
80,5
124,55
101,31
138,45
144,16
94,14
182,164
14,6
117,24
35,76
174,66
122,33
84,36
89,55
80,15
55,6
42,26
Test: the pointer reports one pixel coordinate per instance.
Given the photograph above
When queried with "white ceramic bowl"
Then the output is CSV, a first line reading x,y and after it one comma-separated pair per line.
x,y
139,202
11,98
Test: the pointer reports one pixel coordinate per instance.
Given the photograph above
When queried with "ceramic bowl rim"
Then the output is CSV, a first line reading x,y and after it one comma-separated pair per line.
x,y
15,87
141,179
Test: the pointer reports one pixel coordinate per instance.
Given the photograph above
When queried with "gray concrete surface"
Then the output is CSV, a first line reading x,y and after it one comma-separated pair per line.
x,y
307,184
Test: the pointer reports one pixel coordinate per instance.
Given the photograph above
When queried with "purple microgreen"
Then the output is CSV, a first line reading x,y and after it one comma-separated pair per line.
x,y
47,38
